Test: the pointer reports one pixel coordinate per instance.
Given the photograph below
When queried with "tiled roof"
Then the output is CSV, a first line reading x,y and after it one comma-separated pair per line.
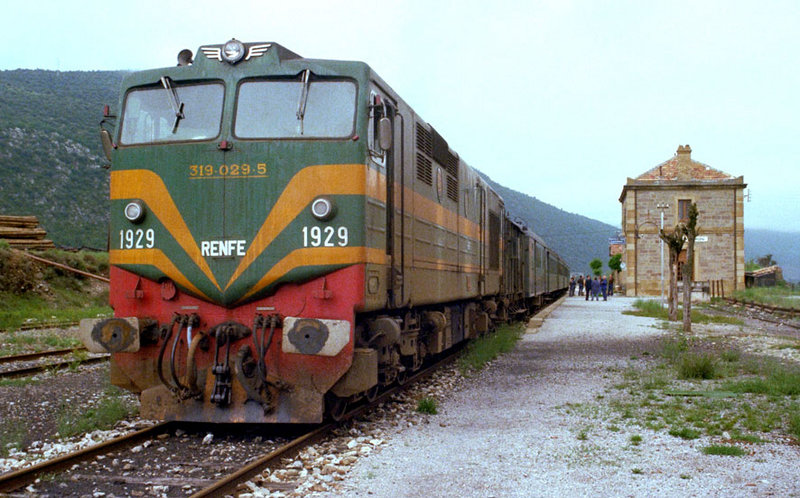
x,y
683,167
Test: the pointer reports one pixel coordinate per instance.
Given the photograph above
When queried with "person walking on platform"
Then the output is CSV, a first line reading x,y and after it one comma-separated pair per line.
x,y
595,288
604,287
580,285
587,286
571,286
611,285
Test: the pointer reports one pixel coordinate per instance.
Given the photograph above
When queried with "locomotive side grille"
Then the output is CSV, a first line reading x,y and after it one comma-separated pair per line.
x,y
424,154
494,241
424,140
424,169
452,188
451,164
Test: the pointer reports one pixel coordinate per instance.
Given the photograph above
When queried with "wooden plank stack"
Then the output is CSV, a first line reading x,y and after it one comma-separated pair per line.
x,y
24,232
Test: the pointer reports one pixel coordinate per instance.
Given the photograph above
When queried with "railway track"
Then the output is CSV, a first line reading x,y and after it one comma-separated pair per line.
x,y
792,312
773,314
207,476
43,325
21,365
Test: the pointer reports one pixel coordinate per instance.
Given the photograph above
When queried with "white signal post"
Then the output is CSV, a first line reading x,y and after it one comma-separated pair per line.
x,y
662,207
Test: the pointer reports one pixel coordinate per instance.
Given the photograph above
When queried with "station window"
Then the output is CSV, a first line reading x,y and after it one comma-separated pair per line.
x,y
683,209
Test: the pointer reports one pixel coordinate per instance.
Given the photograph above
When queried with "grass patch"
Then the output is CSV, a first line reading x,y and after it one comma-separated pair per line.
x,y
109,410
427,405
636,440
699,391
66,306
684,433
774,296
794,422
724,449
746,438
12,343
697,366
21,382
776,379
651,308
488,347
39,294
12,435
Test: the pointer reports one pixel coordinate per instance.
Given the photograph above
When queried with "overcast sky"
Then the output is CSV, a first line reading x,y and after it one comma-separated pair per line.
x,y
562,100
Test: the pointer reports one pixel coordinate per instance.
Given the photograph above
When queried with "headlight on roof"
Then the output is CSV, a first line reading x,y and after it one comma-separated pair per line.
x,y
232,51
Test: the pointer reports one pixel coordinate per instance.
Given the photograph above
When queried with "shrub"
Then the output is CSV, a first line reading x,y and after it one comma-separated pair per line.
x,y
17,273
697,366
427,405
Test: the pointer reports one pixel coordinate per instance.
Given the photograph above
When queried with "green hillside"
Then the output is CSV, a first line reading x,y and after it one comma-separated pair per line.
x,y
576,238
50,155
51,165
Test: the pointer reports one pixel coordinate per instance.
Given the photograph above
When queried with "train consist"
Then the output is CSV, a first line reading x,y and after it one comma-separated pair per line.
x,y
288,235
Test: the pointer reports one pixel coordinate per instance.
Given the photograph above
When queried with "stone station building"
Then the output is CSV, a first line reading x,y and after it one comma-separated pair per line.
x,y
668,190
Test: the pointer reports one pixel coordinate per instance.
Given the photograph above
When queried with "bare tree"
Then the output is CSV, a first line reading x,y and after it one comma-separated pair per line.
x,y
674,241
690,231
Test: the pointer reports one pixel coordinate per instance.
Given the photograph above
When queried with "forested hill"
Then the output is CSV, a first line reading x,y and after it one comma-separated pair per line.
x,y
576,238
51,166
50,154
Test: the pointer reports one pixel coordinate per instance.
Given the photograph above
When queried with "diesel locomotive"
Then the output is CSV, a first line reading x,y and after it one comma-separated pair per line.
x,y
288,235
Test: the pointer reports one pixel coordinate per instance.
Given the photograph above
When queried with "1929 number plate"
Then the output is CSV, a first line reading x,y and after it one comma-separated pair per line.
x,y
325,236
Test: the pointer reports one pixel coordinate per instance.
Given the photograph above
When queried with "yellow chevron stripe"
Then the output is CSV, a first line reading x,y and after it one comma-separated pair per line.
x,y
156,258
330,179
313,256
149,187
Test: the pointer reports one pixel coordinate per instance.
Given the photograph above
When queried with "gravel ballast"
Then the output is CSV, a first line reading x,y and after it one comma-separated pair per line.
x,y
510,430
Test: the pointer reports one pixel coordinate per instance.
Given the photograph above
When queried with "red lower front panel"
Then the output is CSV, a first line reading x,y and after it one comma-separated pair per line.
x,y
296,375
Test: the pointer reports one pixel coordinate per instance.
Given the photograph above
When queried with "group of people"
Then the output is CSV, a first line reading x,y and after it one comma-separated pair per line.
x,y
592,287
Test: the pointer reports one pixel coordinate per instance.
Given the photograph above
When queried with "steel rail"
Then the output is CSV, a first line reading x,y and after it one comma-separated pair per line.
x,y
22,372
229,484
762,306
19,478
40,354
756,317
42,325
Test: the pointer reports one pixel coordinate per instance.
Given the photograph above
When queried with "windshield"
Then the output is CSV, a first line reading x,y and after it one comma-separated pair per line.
x,y
172,113
296,109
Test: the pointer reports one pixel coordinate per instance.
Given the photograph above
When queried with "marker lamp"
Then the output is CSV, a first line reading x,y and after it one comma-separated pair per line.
x,y
322,208
134,211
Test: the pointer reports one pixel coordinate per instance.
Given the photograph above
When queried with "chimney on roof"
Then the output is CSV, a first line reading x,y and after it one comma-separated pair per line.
x,y
684,162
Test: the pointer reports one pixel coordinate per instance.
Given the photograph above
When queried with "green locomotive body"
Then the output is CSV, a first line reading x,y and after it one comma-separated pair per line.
x,y
286,233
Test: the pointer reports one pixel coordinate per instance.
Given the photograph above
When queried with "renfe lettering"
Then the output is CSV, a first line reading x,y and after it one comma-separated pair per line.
x,y
222,248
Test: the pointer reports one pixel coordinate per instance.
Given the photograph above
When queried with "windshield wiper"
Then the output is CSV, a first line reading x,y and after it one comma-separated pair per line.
x,y
174,100
301,105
